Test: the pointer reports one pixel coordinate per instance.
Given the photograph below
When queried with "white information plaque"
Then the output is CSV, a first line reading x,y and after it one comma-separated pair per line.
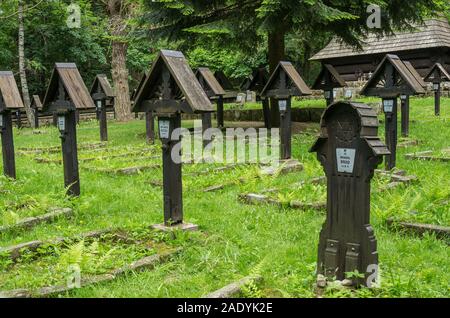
x,y
61,123
388,105
345,159
282,104
164,129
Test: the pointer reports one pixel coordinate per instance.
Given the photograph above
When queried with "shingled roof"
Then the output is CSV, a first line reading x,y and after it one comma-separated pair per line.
x,y
9,91
295,85
405,80
209,82
102,80
437,71
73,83
36,102
260,77
182,81
435,33
328,73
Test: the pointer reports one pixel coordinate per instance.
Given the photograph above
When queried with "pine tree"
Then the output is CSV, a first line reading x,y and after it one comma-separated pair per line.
x,y
245,20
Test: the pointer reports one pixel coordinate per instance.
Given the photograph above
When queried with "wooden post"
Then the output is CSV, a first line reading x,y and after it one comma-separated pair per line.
x,y
284,106
103,121
19,119
220,120
36,118
405,115
390,111
150,127
67,126
206,124
329,97
9,163
266,112
77,116
437,98
172,180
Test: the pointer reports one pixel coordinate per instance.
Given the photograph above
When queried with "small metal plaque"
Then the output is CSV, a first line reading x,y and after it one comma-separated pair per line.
x,y
388,105
61,123
403,97
327,94
345,159
1,120
282,104
99,104
164,129
436,86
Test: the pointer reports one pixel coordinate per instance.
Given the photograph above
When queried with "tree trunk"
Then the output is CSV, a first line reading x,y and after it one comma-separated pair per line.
x,y
276,54
306,65
22,68
122,104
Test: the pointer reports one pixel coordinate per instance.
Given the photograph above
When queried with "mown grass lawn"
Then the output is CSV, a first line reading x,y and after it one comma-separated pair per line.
x,y
235,240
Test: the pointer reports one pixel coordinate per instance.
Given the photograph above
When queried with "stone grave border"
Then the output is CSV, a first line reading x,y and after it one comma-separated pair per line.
x,y
57,149
258,199
235,288
397,177
128,171
426,156
122,155
30,222
408,143
441,232
145,263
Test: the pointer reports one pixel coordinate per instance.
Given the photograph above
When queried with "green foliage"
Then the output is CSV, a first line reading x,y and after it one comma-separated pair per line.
x,y
224,28
236,65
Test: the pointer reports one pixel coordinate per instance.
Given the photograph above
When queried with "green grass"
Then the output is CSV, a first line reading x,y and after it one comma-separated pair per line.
x,y
235,239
